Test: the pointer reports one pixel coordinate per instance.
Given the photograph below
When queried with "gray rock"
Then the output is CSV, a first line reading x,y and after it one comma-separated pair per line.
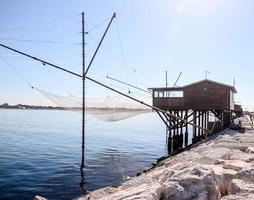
x,y
235,165
239,155
246,174
211,155
172,190
98,194
142,192
162,175
223,178
233,145
242,196
182,158
250,150
240,186
136,181
197,182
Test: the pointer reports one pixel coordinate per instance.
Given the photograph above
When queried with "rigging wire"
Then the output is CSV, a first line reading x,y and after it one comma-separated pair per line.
x,y
27,82
145,77
97,25
130,85
111,56
116,60
139,79
122,52
14,132
122,60
39,41
17,72
106,52
48,95
43,24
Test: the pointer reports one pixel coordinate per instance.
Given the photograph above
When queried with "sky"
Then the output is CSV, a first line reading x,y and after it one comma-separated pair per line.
x,y
146,38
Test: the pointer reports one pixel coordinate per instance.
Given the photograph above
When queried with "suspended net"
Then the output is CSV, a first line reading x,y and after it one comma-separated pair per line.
x,y
109,109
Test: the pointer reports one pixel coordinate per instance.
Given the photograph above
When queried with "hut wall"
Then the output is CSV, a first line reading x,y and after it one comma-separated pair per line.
x,y
207,95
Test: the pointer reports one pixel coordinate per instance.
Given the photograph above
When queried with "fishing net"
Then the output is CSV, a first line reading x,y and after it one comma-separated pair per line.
x,y
109,109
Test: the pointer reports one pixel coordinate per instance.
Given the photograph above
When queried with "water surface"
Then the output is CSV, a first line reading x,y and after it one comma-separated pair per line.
x,y
40,152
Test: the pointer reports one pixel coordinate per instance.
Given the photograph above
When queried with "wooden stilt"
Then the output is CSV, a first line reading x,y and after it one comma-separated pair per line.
x,y
186,130
199,123
202,122
194,122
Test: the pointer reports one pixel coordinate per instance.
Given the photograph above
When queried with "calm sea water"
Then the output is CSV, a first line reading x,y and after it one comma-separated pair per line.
x,y
40,152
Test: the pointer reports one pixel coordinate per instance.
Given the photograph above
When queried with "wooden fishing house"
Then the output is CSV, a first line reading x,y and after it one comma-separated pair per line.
x,y
206,104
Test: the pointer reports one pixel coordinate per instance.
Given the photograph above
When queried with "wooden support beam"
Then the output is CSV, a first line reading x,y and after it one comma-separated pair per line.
x,y
165,121
182,122
169,141
168,117
186,135
177,127
217,114
181,131
194,122
199,123
202,122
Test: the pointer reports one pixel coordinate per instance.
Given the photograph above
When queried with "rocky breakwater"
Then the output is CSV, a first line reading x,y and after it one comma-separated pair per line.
x,y
222,169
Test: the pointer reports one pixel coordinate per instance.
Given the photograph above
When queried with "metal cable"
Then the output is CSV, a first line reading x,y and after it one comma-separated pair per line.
x,y
39,41
97,25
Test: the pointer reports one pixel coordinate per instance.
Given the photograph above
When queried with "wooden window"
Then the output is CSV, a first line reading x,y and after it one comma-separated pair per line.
x,y
176,94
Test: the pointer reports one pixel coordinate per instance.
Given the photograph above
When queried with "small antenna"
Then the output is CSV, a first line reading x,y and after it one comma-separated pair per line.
x,y
206,73
234,81
166,76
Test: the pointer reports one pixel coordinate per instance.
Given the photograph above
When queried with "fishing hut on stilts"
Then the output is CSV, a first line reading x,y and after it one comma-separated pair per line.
x,y
203,108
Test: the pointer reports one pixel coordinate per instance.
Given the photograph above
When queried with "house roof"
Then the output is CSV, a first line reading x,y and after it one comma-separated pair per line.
x,y
195,83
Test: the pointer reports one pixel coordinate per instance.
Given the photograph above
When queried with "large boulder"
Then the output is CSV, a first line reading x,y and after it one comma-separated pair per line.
x,y
240,186
239,155
193,183
250,150
234,145
209,156
242,196
172,190
143,192
223,178
246,174
98,194
188,156
161,175
235,165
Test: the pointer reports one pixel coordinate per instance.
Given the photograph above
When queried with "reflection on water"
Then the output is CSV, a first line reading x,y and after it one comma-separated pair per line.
x,y
42,156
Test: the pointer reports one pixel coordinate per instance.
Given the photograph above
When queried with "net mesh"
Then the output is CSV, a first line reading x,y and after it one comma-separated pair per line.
x,y
109,109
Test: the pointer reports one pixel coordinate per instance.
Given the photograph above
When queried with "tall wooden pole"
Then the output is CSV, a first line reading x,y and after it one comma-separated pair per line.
x,y
83,91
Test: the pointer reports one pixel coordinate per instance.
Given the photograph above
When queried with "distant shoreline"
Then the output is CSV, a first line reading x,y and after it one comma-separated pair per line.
x,y
32,107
